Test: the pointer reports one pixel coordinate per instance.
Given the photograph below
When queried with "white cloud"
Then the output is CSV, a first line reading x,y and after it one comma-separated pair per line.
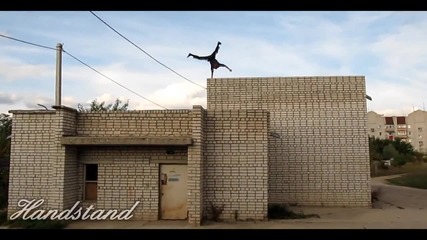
x,y
390,54
33,101
8,98
178,96
403,49
398,79
14,70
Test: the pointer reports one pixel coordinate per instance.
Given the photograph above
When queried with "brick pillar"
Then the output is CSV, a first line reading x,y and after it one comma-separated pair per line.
x,y
31,152
65,165
40,167
195,166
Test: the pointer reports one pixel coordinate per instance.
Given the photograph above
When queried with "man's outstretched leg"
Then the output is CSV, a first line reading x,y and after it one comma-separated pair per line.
x,y
223,65
198,57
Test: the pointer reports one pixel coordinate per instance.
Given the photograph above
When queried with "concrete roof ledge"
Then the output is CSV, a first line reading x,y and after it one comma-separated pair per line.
x,y
32,111
126,141
64,108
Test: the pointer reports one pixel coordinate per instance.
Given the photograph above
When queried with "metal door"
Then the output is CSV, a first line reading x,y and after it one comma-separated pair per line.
x,y
173,192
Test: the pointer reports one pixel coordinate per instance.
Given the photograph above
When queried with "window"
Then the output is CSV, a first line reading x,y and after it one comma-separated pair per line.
x,y
420,129
401,133
91,182
421,143
409,133
372,130
380,133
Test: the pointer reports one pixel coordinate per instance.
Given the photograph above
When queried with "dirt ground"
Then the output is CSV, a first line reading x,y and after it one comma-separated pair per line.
x,y
398,208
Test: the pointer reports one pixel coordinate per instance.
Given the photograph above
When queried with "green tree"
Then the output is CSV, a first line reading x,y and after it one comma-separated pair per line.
x,y
375,150
418,156
403,147
96,106
389,152
400,160
5,132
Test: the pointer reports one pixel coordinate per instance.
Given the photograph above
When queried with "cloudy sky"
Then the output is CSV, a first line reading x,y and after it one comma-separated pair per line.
x,y
389,48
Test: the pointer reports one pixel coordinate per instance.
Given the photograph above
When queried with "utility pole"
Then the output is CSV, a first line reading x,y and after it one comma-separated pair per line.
x,y
58,86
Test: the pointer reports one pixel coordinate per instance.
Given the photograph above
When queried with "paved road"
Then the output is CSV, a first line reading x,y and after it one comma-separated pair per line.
x,y
392,196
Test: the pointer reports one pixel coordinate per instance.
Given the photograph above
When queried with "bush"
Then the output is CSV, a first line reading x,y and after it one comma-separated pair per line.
x,y
375,195
3,217
281,211
400,160
3,190
216,212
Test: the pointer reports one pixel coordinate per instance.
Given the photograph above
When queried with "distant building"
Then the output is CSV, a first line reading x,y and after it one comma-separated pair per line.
x,y
411,128
418,132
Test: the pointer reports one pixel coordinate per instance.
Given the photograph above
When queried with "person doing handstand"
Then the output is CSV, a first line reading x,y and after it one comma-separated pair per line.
x,y
211,59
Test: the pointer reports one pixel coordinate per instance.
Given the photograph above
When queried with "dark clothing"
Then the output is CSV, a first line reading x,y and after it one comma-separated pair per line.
x,y
211,59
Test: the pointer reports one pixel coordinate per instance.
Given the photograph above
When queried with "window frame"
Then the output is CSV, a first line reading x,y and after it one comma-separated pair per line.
x,y
90,182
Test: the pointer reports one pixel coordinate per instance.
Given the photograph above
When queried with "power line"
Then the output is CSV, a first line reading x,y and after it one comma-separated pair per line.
x,y
30,43
87,65
145,51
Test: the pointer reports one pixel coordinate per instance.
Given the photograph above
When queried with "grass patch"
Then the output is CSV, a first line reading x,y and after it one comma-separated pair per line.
x,y
407,168
282,211
415,180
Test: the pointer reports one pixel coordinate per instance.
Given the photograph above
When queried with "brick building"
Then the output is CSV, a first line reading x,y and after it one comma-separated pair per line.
x,y
260,141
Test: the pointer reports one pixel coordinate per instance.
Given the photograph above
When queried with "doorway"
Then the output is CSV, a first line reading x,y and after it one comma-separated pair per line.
x,y
173,192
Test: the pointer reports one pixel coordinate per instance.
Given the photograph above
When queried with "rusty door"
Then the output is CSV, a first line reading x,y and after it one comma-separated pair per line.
x,y
173,192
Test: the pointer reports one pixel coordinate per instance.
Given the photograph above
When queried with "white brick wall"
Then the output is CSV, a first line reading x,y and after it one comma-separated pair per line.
x,y
236,169
322,156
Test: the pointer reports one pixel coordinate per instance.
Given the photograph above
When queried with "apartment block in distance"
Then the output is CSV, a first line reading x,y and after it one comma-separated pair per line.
x,y
411,128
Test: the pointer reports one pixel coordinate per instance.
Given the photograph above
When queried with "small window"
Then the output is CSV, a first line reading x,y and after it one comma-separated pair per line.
x,y
372,130
401,133
420,129
91,182
409,133
421,143
380,133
